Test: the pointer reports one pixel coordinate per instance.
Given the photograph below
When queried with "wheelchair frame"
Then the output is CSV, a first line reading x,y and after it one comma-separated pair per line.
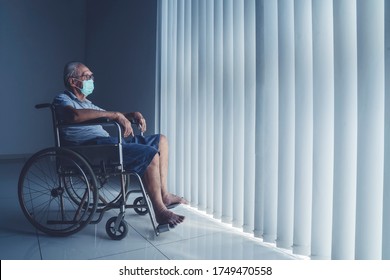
x,y
79,184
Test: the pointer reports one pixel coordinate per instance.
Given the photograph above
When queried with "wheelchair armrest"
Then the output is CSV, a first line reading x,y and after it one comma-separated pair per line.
x,y
116,127
96,121
99,121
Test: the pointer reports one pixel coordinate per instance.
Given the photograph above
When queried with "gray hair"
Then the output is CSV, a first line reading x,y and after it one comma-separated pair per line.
x,y
71,70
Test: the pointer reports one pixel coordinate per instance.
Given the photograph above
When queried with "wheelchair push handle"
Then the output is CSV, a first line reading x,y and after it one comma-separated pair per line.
x,y
43,105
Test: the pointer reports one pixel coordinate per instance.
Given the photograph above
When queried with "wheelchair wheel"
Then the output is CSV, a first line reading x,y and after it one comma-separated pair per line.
x,y
47,200
140,210
118,234
110,189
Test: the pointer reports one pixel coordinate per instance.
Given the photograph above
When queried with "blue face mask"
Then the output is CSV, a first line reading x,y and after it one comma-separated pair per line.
x,y
88,87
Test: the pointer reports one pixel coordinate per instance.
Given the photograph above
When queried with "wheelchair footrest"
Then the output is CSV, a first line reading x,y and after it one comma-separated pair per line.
x,y
163,228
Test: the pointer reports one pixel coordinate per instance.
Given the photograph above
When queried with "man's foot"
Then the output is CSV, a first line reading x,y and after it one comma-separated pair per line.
x,y
171,200
168,217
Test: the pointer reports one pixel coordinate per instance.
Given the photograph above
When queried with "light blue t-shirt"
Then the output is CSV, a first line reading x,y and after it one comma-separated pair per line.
x,y
77,134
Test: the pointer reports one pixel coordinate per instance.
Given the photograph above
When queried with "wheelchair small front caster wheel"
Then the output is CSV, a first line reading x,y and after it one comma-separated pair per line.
x,y
118,234
141,210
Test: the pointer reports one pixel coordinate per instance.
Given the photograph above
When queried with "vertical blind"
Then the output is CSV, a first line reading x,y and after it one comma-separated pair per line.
x,y
277,118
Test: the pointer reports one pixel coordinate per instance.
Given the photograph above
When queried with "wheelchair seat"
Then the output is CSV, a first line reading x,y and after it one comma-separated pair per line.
x,y
62,189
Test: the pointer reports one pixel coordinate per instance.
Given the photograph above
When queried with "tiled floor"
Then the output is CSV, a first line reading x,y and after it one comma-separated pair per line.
x,y
198,238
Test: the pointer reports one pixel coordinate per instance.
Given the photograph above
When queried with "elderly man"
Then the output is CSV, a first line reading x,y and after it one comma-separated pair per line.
x,y
148,156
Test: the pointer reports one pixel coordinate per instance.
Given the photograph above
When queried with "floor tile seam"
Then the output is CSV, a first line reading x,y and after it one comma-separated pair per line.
x,y
166,243
110,240
140,234
246,235
39,244
124,252
149,245
148,241
182,240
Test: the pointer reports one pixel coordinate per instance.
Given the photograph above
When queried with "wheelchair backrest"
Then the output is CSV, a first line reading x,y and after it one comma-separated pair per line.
x,y
100,157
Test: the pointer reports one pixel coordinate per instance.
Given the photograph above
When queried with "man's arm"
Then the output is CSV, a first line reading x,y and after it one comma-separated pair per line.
x,y
82,115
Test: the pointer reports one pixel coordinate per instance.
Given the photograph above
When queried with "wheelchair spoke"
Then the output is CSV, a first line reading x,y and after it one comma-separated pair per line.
x,y
46,197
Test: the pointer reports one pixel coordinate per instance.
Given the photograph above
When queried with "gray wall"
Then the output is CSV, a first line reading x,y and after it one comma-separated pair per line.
x,y
34,43
115,38
121,51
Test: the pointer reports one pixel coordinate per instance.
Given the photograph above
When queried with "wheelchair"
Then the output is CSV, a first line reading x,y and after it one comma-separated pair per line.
x,y
62,189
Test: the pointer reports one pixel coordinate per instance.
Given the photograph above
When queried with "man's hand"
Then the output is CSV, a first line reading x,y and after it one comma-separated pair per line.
x,y
139,120
125,123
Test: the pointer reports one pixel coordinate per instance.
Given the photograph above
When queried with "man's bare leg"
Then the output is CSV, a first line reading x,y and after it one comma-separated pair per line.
x,y
152,182
168,198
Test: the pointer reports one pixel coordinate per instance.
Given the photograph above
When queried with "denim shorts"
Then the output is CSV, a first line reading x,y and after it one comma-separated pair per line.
x,y
138,151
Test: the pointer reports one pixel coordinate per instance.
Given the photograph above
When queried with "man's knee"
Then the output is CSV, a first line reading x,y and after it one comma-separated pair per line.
x,y
163,139
155,160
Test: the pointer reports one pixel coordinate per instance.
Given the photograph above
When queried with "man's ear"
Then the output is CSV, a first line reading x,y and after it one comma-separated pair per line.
x,y
72,82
